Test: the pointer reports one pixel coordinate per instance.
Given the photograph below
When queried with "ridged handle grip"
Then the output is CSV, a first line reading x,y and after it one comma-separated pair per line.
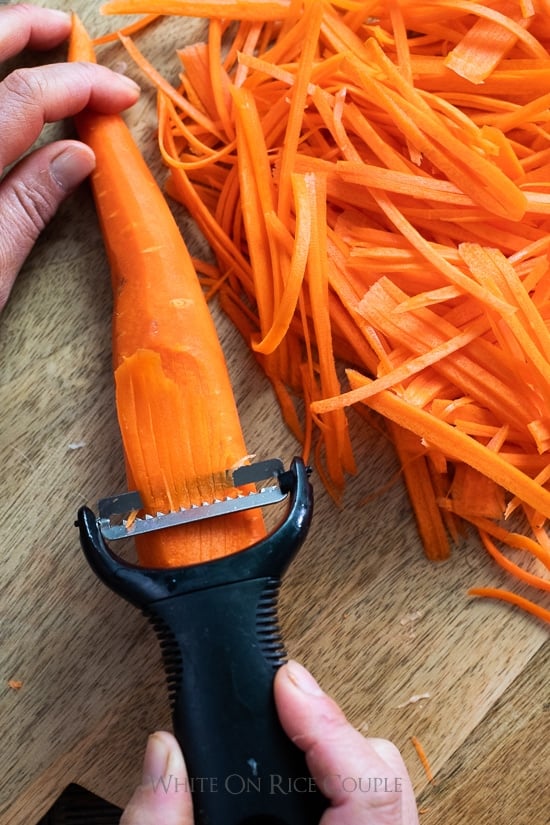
x,y
221,649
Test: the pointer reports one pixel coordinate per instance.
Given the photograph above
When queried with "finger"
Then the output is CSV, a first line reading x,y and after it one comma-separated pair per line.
x,y
29,197
23,25
29,98
354,773
164,795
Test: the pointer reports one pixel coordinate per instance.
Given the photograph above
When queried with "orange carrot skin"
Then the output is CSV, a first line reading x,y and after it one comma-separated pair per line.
x,y
176,409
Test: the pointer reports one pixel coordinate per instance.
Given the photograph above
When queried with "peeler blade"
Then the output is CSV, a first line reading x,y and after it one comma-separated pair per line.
x,y
127,505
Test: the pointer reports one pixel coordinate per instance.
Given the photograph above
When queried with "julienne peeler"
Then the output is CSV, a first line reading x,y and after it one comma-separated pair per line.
x,y
217,626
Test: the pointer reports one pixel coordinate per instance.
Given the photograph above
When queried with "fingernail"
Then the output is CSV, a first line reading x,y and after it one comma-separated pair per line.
x,y
303,679
59,15
155,761
128,81
71,166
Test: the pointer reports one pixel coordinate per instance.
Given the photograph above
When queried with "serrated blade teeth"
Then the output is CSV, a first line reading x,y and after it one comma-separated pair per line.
x,y
124,504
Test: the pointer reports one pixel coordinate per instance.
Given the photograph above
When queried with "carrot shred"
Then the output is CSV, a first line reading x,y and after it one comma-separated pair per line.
x,y
423,758
132,28
485,44
374,182
429,518
512,598
511,567
221,9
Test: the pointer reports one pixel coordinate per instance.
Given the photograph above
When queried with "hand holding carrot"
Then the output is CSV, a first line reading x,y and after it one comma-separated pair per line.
x,y
30,97
365,780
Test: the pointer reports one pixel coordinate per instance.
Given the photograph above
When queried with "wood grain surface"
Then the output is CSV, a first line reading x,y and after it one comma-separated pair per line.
x,y
375,621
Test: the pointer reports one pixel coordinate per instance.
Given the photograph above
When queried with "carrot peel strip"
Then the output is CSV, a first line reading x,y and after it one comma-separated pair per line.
x,y
511,598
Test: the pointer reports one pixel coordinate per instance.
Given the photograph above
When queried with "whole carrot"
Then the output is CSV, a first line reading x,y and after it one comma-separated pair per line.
x,y
177,414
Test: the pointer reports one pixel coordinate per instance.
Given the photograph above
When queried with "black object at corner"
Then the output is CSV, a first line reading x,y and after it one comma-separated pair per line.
x,y
77,806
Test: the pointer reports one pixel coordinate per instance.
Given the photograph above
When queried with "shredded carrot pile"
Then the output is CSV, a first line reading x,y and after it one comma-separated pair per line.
x,y
374,181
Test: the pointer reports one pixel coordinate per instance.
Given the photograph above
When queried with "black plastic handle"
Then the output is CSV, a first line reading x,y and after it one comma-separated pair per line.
x,y
221,648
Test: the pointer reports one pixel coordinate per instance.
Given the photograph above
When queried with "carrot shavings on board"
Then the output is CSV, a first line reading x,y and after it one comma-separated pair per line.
x,y
419,748
512,598
374,182
132,28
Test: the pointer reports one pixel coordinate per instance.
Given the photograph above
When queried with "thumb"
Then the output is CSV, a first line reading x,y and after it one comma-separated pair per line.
x,y
29,197
365,779
164,795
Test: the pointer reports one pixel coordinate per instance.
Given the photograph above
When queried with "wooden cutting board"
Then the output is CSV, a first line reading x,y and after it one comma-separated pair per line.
x,y
377,623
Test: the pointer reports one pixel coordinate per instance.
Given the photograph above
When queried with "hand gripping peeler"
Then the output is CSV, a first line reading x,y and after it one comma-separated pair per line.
x,y
217,626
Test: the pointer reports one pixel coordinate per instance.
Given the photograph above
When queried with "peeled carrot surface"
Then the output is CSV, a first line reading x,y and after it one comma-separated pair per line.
x,y
175,405
374,182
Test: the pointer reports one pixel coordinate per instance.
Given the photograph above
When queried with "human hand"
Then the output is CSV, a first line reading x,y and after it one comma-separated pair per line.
x,y
365,780
32,190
